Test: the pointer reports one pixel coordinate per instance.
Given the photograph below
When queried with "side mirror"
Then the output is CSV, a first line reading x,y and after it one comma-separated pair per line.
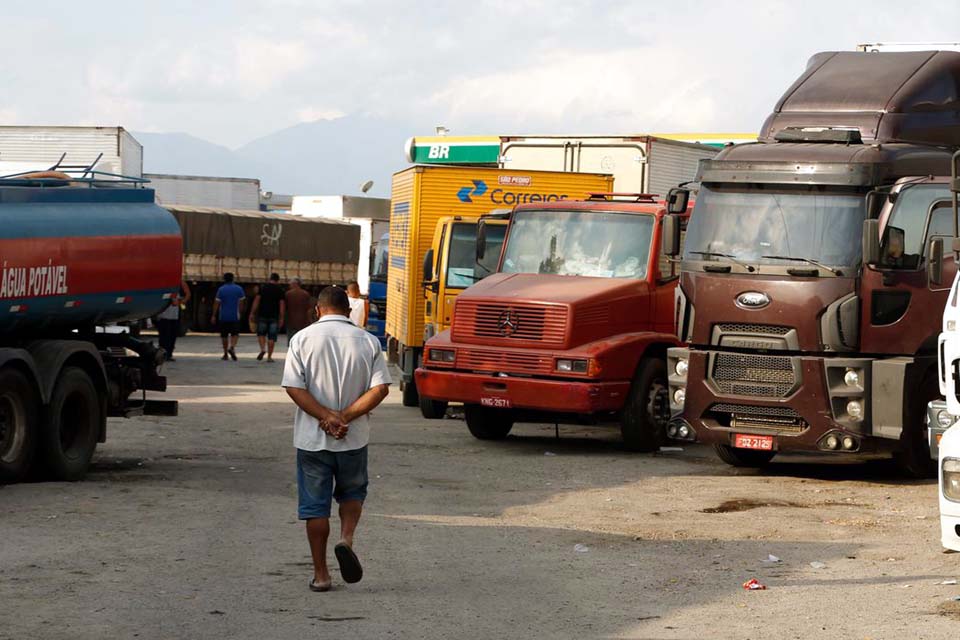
x,y
671,235
871,242
677,200
481,240
428,266
935,261
893,247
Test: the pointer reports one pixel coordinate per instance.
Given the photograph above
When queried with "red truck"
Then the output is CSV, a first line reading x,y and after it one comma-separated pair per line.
x,y
574,326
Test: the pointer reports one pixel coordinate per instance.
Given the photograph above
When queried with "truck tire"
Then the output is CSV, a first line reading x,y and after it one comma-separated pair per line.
x,y
487,424
71,426
913,458
643,420
410,396
433,409
746,458
19,412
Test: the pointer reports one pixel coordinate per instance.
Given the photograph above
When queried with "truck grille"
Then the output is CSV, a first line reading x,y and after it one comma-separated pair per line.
x,y
740,416
503,361
544,325
762,329
759,376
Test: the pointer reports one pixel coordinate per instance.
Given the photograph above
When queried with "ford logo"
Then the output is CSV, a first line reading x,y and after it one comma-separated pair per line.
x,y
752,300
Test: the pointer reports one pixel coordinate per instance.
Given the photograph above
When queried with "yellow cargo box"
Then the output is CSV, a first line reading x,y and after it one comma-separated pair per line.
x,y
422,195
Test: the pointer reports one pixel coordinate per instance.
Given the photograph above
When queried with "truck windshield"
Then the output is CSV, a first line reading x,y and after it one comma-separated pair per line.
x,y
598,244
462,266
764,227
381,258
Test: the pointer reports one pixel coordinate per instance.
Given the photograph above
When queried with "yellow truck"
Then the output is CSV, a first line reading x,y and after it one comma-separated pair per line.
x,y
420,198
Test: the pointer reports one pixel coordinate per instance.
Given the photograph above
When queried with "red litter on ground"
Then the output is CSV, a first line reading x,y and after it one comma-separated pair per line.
x,y
753,585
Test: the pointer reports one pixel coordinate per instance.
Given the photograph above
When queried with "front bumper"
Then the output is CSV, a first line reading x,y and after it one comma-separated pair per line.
x,y
538,394
803,404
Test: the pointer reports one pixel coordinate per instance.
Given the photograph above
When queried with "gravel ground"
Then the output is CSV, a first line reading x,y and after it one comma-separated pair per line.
x,y
186,528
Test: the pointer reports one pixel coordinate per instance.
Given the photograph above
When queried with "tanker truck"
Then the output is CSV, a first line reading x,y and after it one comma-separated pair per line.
x,y
77,254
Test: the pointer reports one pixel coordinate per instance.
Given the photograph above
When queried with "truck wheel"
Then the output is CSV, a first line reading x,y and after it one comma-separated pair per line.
x,y
644,418
71,426
743,457
913,458
487,424
18,425
410,396
433,409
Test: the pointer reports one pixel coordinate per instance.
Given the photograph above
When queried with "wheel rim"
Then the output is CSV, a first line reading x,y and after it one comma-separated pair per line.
x,y
658,404
75,423
11,438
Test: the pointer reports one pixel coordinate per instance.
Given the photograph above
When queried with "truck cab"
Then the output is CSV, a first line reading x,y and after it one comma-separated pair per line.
x,y
812,263
572,328
452,265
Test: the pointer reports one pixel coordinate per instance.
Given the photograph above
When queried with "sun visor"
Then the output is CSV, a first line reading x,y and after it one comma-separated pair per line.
x,y
884,97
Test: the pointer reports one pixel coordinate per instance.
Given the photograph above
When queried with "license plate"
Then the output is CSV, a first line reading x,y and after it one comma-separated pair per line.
x,y
496,403
762,443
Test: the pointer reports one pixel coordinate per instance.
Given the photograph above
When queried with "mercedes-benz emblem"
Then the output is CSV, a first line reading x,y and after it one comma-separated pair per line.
x,y
508,322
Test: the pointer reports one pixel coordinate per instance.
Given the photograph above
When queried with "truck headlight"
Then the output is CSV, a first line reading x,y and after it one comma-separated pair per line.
x,y
944,419
681,367
680,395
565,365
852,378
951,479
441,355
855,409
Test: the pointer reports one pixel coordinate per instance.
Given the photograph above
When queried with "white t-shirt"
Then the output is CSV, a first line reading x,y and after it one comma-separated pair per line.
x,y
337,362
356,311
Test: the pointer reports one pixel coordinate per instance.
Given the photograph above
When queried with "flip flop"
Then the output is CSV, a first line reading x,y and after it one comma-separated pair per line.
x,y
233,354
319,587
350,568
261,354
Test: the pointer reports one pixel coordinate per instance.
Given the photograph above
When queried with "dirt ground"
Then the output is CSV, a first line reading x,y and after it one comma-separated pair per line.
x,y
186,528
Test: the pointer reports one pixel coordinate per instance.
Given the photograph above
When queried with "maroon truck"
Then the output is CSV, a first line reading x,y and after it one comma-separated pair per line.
x,y
813,271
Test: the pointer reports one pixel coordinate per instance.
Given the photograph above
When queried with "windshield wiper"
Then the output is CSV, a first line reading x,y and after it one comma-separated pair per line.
x,y
815,263
714,254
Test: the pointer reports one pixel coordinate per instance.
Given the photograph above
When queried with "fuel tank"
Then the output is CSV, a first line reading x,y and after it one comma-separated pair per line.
x,y
74,255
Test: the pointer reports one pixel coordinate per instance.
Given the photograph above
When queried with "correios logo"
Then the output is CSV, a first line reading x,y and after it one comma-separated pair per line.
x,y
503,196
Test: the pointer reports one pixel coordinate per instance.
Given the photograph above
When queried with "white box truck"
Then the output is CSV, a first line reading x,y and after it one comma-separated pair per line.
x,y
639,164
109,149
206,191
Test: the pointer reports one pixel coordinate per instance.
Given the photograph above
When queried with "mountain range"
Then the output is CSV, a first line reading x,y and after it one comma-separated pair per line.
x,y
321,157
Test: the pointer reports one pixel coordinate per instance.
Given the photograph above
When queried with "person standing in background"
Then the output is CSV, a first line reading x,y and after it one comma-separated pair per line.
x,y
268,311
299,304
168,321
227,309
359,308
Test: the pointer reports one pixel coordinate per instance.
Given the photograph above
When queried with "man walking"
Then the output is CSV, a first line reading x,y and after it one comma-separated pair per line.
x,y
227,309
268,310
297,302
336,374
168,321
359,308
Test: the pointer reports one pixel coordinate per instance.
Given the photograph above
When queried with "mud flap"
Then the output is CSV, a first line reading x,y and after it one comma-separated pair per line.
x,y
891,379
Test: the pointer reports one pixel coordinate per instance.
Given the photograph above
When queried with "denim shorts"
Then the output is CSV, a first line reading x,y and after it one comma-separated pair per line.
x,y
324,475
269,327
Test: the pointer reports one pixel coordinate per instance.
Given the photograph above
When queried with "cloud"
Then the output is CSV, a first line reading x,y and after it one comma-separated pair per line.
x,y
632,90
312,114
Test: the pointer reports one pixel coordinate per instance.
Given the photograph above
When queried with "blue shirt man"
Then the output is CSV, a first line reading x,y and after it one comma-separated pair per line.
x,y
227,310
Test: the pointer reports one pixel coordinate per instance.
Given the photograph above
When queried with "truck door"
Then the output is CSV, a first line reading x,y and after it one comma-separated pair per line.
x,y
433,284
458,268
899,295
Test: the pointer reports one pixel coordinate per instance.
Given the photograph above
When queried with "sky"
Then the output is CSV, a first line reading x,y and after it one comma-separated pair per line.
x,y
231,72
